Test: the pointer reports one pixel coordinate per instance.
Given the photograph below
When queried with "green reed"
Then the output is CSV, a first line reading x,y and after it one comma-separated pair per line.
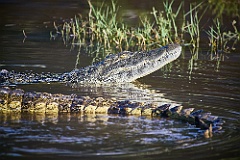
x,y
103,26
192,27
103,30
192,61
218,39
171,16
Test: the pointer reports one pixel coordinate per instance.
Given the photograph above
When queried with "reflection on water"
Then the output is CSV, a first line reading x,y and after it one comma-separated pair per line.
x,y
82,135
132,91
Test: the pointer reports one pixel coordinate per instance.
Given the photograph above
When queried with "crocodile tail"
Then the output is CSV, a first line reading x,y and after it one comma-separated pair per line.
x,y
19,101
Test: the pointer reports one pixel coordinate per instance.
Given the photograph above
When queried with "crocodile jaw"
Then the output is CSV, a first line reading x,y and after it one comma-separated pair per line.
x,y
125,66
148,62
165,55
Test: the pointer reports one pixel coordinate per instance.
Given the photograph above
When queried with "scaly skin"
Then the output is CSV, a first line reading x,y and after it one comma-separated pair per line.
x,y
123,67
19,101
116,68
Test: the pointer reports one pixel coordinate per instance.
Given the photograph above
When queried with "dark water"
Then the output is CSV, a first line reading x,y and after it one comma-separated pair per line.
x,y
201,83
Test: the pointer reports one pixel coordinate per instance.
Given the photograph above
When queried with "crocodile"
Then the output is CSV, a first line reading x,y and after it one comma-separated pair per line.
x,y
42,102
123,67
118,68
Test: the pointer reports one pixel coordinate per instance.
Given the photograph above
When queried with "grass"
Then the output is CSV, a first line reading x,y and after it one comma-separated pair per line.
x,y
192,27
218,39
103,31
102,26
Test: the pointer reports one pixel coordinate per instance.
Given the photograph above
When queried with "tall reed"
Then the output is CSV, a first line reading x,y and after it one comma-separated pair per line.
x,y
102,29
219,39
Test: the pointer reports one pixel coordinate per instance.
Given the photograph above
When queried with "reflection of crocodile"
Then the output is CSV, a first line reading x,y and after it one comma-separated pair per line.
x,y
116,68
119,68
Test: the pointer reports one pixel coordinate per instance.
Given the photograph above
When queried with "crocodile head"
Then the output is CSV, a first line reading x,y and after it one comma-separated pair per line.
x,y
127,66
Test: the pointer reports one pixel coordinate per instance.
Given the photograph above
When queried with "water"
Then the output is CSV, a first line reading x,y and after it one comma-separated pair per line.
x,y
205,85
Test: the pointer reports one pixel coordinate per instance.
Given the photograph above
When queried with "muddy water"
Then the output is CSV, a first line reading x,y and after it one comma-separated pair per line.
x,y
203,83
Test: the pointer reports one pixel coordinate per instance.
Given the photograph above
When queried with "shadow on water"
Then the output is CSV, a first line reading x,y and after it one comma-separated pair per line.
x,y
198,79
